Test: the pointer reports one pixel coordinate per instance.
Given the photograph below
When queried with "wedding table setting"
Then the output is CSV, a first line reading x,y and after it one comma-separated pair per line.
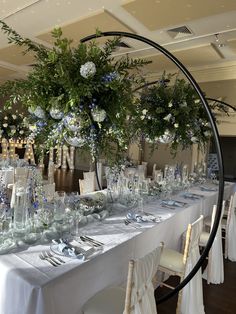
x,y
87,241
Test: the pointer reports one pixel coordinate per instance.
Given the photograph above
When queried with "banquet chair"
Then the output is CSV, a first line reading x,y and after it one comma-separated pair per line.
x,y
139,294
173,263
228,226
214,272
230,230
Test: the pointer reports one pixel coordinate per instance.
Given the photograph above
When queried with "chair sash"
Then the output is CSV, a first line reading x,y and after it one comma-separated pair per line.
x,y
142,291
192,297
214,272
231,231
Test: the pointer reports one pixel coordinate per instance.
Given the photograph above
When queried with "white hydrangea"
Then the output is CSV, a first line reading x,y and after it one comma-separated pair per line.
x,y
88,69
99,115
39,112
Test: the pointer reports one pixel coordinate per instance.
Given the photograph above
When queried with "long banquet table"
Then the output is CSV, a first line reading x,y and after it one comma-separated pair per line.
x,y
29,285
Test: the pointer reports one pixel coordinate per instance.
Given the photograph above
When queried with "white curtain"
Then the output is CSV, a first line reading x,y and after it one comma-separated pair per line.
x,y
143,273
192,298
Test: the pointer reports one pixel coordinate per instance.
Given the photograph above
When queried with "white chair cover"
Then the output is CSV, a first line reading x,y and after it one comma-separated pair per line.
x,y
231,232
192,298
144,270
214,272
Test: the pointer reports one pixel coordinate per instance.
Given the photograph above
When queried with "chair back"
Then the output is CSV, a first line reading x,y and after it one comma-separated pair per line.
x,y
140,291
192,292
192,237
214,272
230,232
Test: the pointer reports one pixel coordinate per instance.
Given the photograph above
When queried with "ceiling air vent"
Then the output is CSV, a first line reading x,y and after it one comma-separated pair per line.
x,y
179,32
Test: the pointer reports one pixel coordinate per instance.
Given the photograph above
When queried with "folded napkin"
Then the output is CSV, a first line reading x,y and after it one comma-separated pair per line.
x,y
141,217
207,188
192,196
173,203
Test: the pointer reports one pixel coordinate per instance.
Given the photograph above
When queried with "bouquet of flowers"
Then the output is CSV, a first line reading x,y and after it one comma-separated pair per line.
x,y
77,95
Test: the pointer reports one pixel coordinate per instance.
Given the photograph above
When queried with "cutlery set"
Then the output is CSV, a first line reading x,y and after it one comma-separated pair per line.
x,y
66,248
52,259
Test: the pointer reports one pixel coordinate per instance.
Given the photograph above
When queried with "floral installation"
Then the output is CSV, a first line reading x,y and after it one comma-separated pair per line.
x,y
13,125
172,113
77,95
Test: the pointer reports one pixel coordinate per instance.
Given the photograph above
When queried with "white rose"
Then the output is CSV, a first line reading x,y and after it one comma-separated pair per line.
x,y
194,139
5,125
21,132
88,69
5,118
14,117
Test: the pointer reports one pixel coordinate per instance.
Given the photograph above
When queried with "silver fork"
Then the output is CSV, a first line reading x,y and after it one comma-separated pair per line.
x,y
42,257
53,257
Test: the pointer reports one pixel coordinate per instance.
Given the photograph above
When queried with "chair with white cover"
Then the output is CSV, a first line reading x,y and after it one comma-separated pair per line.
x,y
173,263
228,225
139,295
230,230
214,272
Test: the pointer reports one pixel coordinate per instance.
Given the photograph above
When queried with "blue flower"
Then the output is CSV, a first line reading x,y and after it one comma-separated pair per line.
x,y
110,77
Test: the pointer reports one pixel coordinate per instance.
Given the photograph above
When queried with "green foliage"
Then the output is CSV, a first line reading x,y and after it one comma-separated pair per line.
x,y
57,81
172,110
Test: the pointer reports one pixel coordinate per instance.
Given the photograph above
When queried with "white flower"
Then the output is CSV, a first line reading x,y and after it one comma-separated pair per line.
x,y
14,117
31,110
170,104
33,127
5,125
88,69
5,118
142,117
39,112
176,125
194,139
117,115
168,117
144,112
13,131
197,101
207,133
99,115
21,132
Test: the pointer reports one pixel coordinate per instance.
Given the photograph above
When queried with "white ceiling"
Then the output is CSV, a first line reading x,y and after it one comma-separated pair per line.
x,y
207,56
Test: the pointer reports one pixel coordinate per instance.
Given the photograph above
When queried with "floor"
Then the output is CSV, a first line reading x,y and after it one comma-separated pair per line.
x,y
218,299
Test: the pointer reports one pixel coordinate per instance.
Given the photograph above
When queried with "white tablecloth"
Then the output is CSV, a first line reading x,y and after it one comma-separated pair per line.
x,y
29,285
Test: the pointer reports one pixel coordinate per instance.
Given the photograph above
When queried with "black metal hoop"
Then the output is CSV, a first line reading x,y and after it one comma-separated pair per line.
x,y
215,135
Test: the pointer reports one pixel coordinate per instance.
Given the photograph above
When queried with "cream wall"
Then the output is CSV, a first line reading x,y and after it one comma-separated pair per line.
x,y
226,90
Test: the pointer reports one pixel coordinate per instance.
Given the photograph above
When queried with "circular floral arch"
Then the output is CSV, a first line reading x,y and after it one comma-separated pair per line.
x,y
215,136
